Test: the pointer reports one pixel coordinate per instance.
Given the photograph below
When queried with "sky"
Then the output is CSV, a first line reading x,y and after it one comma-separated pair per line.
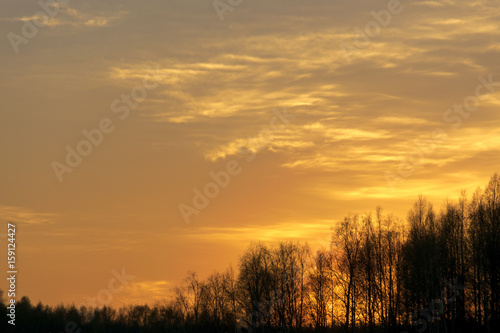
x,y
141,140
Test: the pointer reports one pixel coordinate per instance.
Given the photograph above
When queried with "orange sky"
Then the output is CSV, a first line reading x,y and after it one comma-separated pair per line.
x,y
176,94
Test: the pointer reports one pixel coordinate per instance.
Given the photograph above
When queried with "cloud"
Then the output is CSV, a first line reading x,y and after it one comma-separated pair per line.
x,y
144,291
24,215
354,122
67,16
294,230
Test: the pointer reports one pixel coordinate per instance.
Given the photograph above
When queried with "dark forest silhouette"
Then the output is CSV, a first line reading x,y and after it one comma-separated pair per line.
x,y
436,272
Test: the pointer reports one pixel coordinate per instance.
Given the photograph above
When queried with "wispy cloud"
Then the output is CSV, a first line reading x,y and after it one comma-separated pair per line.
x,y
25,215
67,16
144,291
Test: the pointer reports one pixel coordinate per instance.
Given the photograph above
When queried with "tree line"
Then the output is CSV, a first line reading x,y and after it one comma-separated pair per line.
x,y
433,272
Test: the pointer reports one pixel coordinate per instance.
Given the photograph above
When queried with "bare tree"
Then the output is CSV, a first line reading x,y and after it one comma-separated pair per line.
x,y
347,251
319,281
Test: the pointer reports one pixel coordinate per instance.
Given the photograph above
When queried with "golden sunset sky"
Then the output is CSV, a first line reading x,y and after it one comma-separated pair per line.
x,y
380,101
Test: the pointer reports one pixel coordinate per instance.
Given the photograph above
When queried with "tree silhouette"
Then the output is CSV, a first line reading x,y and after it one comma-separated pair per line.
x,y
438,272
